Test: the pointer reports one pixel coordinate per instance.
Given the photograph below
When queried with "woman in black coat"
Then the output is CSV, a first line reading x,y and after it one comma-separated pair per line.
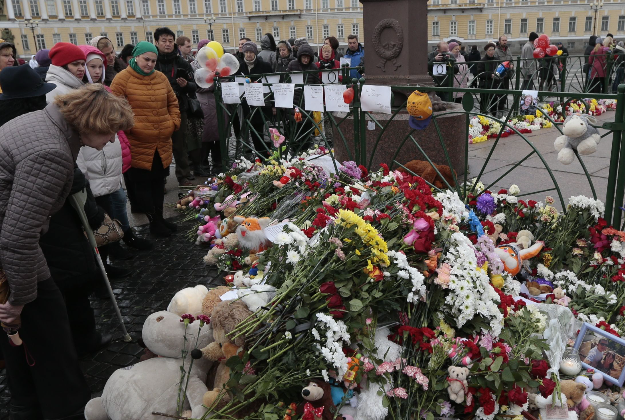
x,y
488,80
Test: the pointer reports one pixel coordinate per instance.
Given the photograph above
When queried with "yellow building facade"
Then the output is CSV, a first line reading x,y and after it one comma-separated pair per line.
x,y
40,24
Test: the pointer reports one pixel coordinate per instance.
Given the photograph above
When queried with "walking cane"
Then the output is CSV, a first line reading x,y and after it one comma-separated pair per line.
x,y
78,201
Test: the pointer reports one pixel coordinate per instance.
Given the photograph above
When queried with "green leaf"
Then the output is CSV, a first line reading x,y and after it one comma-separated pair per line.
x,y
355,305
513,363
290,324
506,375
385,402
430,416
302,312
496,364
248,379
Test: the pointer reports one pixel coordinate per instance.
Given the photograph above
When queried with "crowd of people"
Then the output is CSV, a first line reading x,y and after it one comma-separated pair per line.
x,y
481,69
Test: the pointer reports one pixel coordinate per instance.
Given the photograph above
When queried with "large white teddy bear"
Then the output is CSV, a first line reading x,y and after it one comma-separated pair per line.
x,y
135,392
188,301
578,135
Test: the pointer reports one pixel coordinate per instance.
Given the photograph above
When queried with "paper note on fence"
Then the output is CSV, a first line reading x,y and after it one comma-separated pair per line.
x,y
439,69
230,93
344,61
334,98
254,94
241,81
297,78
376,98
313,96
283,95
328,77
270,79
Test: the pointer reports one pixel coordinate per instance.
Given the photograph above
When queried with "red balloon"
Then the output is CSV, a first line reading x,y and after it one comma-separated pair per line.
x,y
211,64
541,42
210,78
225,72
552,50
539,53
348,96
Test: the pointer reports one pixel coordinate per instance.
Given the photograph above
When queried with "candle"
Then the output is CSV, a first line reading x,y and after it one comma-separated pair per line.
x,y
596,399
606,413
570,367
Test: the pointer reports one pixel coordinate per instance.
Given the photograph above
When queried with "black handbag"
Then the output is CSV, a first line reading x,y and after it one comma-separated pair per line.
x,y
195,109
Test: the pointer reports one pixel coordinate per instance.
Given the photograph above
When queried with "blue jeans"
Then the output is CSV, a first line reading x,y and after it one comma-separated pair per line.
x,y
115,205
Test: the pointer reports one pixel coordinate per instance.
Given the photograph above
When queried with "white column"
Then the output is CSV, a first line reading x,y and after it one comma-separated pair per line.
x,y
43,12
60,11
10,11
122,9
107,9
26,10
92,10
76,10
138,10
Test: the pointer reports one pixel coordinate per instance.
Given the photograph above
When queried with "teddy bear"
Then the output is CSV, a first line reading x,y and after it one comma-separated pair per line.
x,y
512,256
578,135
226,316
227,226
220,247
524,239
251,232
318,403
542,403
457,383
134,392
212,298
188,301
576,399
495,235
425,170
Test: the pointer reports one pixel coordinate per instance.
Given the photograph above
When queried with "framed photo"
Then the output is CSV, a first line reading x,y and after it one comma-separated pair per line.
x,y
529,102
603,352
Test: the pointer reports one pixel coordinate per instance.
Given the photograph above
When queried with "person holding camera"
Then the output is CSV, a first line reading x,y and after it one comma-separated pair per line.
x,y
442,55
180,75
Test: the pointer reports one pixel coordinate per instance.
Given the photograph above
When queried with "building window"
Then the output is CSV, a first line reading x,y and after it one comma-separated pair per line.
x,y
41,42
274,5
239,6
195,36
177,8
355,29
605,23
73,39
134,39
179,34
588,24
223,6
242,33
326,31
257,5
556,25
489,27
572,24
325,4
84,8
25,43
160,7
309,32
340,4
51,6
119,38
67,8
115,8
145,5
453,28
34,9
276,32
192,7
290,4
570,45
436,2
308,4
540,25
259,34
523,28
130,7
104,34
454,1
17,9
88,37
208,7
210,35
355,3
149,36
225,36
621,24
292,33
507,26
471,27
436,29
56,38
99,8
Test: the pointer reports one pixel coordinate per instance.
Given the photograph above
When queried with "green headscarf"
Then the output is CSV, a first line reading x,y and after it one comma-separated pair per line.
x,y
142,48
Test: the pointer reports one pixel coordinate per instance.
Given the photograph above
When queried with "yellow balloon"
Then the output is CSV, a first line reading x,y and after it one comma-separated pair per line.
x,y
216,46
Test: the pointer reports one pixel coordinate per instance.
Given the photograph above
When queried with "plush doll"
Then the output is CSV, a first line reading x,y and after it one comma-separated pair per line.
x,y
318,405
578,135
225,318
251,233
220,247
542,403
188,301
576,399
428,173
458,385
212,298
226,227
512,256
584,380
134,392
524,239
257,296
495,235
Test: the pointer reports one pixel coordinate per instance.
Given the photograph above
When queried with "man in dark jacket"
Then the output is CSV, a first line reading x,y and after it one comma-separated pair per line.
x,y
474,57
442,55
356,54
180,76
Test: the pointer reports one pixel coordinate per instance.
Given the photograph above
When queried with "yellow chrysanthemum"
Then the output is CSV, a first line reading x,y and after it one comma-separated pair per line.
x,y
368,234
447,330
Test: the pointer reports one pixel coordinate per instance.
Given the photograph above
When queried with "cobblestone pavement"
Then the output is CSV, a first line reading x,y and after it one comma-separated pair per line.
x,y
173,264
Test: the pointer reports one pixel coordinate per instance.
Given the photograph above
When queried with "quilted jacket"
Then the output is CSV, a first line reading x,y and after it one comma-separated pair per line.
x,y
37,155
102,168
64,80
157,116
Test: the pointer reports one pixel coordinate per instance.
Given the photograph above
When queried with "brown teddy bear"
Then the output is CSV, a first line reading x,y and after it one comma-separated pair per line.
x,y
428,173
212,298
318,403
576,399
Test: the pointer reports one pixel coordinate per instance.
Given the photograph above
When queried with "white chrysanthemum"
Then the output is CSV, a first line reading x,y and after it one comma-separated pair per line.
x,y
292,257
512,199
283,238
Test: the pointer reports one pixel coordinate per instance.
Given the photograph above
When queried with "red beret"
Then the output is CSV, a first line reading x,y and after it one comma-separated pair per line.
x,y
64,53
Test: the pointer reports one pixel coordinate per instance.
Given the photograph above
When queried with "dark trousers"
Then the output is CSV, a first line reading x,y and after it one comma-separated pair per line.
x,y
179,146
148,187
49,383
528,84
214,149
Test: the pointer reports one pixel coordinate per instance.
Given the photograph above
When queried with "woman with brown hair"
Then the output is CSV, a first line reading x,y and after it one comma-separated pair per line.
x,y
39,152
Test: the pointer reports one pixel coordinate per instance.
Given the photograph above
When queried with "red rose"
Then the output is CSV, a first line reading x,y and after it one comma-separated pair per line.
x,y
547,387
339,312
539,369
335,301
517,396
328,288
486,401
236,188
532,203
236,265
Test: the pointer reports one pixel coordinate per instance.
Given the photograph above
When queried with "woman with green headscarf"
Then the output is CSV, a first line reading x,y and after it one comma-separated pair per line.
x,y
157,116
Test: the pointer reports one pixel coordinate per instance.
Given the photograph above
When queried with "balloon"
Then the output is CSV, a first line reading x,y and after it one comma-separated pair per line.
x,y
225,72
552,50
204,54
211,64
542,42
228,60
348,95
539,53
216,46
204,78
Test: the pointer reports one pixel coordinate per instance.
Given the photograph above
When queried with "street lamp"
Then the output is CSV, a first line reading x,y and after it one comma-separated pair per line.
x,y
596,5
31,24
210,22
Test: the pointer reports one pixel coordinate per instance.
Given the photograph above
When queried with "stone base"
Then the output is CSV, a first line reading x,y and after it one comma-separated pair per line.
x,y
453,135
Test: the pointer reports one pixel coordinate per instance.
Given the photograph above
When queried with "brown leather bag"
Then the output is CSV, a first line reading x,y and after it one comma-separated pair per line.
x,y
110,231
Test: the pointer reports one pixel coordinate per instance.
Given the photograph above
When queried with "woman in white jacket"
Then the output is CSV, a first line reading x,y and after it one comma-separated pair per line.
x,y
67,69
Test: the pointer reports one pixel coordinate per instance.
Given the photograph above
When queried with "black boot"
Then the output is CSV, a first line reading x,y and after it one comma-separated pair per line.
x,y
159,215
135,242
25,412
170,225
117,253
115,273
157,227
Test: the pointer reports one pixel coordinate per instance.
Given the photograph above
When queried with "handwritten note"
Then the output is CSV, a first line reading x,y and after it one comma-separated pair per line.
x,y
328,77
344,61
297,78
334,98
283,94
230,93
254,94
376,98
313,96
270,79
241,81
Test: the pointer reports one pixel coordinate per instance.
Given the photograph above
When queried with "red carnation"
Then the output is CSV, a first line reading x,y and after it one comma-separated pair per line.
x,y
539,369
517,396
547,387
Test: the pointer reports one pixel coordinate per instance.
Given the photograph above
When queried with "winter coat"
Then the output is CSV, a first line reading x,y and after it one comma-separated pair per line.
x,y
528,62
64,80
503,54
168,64
309,78
592,42
486,72
461,79
103,168
126,156
355,58
37,155
451,67
283,63
598,62
156,113
327,65
474,57
267,54
42,72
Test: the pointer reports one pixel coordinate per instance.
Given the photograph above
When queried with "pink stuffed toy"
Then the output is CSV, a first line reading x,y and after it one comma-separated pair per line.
x,y
207,232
